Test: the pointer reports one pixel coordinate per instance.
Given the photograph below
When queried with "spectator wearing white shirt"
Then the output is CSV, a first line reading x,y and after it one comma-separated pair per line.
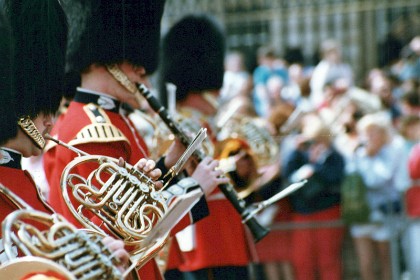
x,y
379,162
330,67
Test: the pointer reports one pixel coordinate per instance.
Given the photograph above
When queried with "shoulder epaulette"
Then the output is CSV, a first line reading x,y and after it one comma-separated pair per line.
x,y
99,130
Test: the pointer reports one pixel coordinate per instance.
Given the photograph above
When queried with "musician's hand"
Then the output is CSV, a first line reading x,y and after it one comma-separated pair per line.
x,y
117,248
208,176
147,166
175,151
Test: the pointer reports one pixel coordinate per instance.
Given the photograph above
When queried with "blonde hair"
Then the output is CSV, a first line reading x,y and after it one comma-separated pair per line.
x,y
379,120
316,129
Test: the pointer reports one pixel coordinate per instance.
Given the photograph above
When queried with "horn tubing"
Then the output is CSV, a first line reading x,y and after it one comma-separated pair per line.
x,y
257,230
114,226
59,142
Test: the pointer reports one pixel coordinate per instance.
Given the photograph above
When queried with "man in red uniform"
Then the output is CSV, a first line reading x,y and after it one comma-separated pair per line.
x,y
193,54
37,65
112,46
32,58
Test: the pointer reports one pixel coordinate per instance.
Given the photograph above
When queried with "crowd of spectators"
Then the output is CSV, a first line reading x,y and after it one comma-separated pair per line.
x,y
327,125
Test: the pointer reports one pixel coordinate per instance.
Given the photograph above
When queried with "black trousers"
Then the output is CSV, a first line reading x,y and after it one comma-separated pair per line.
x,y
214,273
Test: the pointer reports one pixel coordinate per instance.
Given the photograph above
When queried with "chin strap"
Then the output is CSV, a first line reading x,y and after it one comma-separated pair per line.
x,y
28,126
122,78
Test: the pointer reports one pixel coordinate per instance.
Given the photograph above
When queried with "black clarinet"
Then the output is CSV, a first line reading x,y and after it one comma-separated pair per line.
x,y
257,230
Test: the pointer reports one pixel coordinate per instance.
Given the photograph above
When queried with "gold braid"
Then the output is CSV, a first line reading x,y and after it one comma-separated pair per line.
x,y
28,126
122,78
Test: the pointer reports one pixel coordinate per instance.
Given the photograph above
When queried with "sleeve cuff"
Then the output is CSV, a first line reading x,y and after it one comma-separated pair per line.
x,y
200,209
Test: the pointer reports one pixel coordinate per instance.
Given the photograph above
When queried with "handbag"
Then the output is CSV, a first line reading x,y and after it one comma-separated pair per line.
x,y
354,206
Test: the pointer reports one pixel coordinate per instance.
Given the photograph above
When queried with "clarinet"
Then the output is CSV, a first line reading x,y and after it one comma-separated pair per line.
x,y
257,230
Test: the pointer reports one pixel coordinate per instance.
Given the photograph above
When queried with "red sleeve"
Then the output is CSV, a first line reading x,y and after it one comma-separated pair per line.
x,y
414,162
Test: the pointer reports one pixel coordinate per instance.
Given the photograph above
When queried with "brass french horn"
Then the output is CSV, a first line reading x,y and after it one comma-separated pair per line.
x,y
37,243
247,138
115,200
254,132
50,237
241,134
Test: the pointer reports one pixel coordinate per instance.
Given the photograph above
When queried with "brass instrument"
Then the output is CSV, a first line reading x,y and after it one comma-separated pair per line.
x,y
49,243
50,237
247,142
111,199
252,131
248,137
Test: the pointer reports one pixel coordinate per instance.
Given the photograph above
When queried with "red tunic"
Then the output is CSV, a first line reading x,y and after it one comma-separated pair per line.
x,y
20,183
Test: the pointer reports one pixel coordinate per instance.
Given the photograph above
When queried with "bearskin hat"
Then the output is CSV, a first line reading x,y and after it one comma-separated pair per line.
x,y
113,31
7,114
39,29
192,56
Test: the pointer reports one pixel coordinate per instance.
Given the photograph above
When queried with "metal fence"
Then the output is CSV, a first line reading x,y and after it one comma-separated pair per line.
x,y
360,25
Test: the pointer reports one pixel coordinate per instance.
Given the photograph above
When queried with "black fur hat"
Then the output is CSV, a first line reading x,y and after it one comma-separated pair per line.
x,y
39,29
192,56
8,125
112,31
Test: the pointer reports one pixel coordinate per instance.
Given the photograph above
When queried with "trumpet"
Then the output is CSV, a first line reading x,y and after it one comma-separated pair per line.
x,y
50,243
116,200
257,230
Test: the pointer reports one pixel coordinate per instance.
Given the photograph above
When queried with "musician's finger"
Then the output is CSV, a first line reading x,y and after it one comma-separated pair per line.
x,y
141,164
155,173
149,165
117,248
158,185
206,160
213,164
121,162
